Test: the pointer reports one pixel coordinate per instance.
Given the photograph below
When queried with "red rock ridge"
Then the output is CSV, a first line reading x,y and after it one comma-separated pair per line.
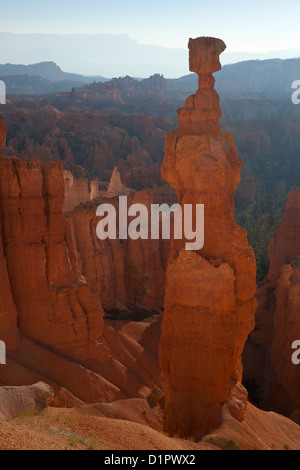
x,y
50,320
54,303
106,263
283,313
285,243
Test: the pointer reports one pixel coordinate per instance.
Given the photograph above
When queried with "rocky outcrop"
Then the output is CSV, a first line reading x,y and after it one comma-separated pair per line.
x,y
8,313
285,393
285,243
106,263
76,191
209,299
2,133
16,401
282,315
115,185
51,317
268,353
54,303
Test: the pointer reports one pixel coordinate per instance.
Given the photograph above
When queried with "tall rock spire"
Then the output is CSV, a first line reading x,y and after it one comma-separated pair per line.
x,y
209,299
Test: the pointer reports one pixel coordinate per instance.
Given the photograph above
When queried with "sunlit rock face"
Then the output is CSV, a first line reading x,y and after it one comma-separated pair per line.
x,y
54,303
76,191
209,294
51,316
2,133
106,264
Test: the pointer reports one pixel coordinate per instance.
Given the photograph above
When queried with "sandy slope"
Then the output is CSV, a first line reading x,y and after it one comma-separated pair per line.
x,y
134,425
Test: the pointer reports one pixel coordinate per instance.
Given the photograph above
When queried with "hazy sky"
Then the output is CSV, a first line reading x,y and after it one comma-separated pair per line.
x,y
253,26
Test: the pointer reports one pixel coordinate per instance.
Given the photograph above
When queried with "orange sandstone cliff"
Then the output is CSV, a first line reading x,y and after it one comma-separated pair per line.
x,y
51,316
8,312
268,353
285,243
106,263
209,295
2,133
54,303
283,313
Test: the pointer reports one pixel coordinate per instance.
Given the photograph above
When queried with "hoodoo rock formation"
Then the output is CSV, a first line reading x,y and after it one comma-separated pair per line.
x,y
285,392
51,315
76,191
282,315
285,244
106,263
209,295
267,356
115,185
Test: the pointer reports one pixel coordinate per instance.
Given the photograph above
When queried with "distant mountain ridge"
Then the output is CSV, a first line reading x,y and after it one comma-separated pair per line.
x,y
47,70
109,55
95,54
270,78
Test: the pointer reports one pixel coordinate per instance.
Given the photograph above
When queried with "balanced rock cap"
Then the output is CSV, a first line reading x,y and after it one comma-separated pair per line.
x,y
205,53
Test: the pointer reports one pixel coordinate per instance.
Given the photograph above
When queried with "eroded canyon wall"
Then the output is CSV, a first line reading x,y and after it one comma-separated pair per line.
x,y
268,353
54,303
284,279
51,315
106,264
209,298
8,311
284,246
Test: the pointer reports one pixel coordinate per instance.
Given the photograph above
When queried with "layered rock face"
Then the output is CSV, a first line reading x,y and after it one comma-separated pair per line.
x,y
209,298
51,316
283,314
106,263
285,393
2,133
268,354
285,244
76,191
54,303
8,312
